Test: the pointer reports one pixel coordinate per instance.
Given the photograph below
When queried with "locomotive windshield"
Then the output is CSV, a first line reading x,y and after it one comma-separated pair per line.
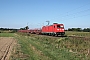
x,y
58,26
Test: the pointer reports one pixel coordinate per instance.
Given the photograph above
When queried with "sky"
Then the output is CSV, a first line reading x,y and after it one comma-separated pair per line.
x,y
35,13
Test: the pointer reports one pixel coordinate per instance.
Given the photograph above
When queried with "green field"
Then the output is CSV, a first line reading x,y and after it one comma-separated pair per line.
x,y
38,47
7,34
83,34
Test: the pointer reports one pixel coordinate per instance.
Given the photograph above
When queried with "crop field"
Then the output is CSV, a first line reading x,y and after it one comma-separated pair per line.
x,y
7,42
41,47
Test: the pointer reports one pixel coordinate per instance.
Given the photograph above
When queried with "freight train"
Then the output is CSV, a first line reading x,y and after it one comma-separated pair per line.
x,y
54,30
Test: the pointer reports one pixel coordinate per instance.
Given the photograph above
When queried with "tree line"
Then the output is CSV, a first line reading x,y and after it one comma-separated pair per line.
x,y
25,28
10,30
79,29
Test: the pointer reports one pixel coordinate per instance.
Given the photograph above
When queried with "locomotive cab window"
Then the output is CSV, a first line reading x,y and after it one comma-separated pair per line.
x,y
58,26
54,26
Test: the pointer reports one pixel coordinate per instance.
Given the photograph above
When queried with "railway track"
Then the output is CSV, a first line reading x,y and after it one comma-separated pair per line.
x,y
80,37
70,36
5,47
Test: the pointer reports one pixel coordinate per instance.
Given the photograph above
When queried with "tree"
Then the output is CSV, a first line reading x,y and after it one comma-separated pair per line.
x,y
74,29
86,29
79,29
26,27
22,28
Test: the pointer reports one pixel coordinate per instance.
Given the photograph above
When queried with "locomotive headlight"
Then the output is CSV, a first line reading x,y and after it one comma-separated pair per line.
x,y
62,29
57,29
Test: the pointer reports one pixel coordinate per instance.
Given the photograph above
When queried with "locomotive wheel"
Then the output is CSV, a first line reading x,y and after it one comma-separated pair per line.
x,y
53,34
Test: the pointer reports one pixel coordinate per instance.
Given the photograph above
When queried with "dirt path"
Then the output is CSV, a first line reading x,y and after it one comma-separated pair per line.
x,y
6,45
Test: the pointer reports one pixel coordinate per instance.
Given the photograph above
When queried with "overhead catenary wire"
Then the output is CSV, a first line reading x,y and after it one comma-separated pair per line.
x,y
78,12
69,14
78,8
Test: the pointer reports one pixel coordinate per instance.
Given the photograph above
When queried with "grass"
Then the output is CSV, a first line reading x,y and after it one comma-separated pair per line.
x,y
37,47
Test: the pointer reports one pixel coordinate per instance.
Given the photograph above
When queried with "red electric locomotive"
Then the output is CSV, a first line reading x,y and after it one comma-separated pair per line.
x,y
55,29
